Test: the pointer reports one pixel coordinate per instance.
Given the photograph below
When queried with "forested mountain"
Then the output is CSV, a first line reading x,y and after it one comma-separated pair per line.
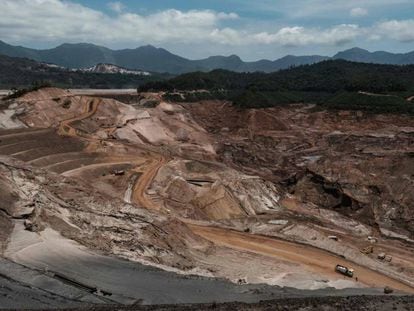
x,y
150,58
379,57
23,72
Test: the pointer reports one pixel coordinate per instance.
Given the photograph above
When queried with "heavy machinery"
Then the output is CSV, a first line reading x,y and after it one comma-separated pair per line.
x,y
367,250
344,270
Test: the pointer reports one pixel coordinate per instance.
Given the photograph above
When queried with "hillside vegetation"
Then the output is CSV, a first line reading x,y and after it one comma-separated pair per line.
x,y
334,84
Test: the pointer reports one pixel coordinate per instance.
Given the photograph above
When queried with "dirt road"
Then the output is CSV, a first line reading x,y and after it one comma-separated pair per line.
x,y
95,92
312,258
139,196
90,108
108,164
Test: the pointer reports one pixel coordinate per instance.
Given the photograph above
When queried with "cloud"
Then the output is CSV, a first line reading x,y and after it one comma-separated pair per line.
x,y
56,21
330,9
300,36
358,12
401,30
117,6
229,36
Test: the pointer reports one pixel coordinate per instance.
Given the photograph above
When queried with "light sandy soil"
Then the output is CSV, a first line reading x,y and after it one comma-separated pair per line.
x,y
9,120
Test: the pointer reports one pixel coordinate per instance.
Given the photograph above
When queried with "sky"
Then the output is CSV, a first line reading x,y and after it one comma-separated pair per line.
x,y
252,29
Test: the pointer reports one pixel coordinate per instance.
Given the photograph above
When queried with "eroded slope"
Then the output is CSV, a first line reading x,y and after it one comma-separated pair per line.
x,y
194,188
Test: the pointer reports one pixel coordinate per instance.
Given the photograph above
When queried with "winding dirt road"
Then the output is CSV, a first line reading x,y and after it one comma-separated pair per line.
x,y
144,181
312,258
89,109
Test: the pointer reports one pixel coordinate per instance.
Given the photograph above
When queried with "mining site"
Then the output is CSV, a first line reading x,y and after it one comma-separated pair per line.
x,y
206,155
110,199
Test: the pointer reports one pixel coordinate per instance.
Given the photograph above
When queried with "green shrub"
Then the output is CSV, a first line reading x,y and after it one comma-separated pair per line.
x,y
369,103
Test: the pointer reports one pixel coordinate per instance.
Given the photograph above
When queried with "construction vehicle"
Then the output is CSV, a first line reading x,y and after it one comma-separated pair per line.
x,y
344,270
372,239
333,237
118,172
367,250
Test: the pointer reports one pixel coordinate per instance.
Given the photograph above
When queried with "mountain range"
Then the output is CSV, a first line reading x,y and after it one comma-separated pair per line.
x,y
150,58
16,72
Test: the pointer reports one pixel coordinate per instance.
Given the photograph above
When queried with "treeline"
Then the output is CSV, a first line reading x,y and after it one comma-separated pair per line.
x,y
328,76
334,84
18,92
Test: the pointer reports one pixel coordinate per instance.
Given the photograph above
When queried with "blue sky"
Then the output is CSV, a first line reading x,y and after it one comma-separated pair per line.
x,y
196,29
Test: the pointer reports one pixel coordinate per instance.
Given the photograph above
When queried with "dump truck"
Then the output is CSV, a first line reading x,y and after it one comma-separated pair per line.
x,y
344,270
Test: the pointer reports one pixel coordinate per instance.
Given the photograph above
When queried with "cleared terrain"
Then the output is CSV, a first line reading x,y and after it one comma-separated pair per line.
x,y
98,195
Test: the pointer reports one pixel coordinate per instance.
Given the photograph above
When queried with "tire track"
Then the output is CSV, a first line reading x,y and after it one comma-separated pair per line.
x,y
315,259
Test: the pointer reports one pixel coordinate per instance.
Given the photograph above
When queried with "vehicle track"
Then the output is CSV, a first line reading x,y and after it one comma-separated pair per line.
x,y
78,170
315,259
139,195
90,108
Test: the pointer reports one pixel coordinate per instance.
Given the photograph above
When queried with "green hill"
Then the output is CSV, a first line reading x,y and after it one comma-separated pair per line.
x,y
22,72
335,84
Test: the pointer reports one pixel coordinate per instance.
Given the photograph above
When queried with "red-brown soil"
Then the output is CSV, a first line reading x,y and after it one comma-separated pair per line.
x,y
179,185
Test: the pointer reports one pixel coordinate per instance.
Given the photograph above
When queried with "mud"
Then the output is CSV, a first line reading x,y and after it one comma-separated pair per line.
x,y
268,188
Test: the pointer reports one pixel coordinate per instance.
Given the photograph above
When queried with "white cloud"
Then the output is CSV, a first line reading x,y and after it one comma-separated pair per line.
x,y
117,6
402,30
229,36
56,21
324,8
358,12
299,36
